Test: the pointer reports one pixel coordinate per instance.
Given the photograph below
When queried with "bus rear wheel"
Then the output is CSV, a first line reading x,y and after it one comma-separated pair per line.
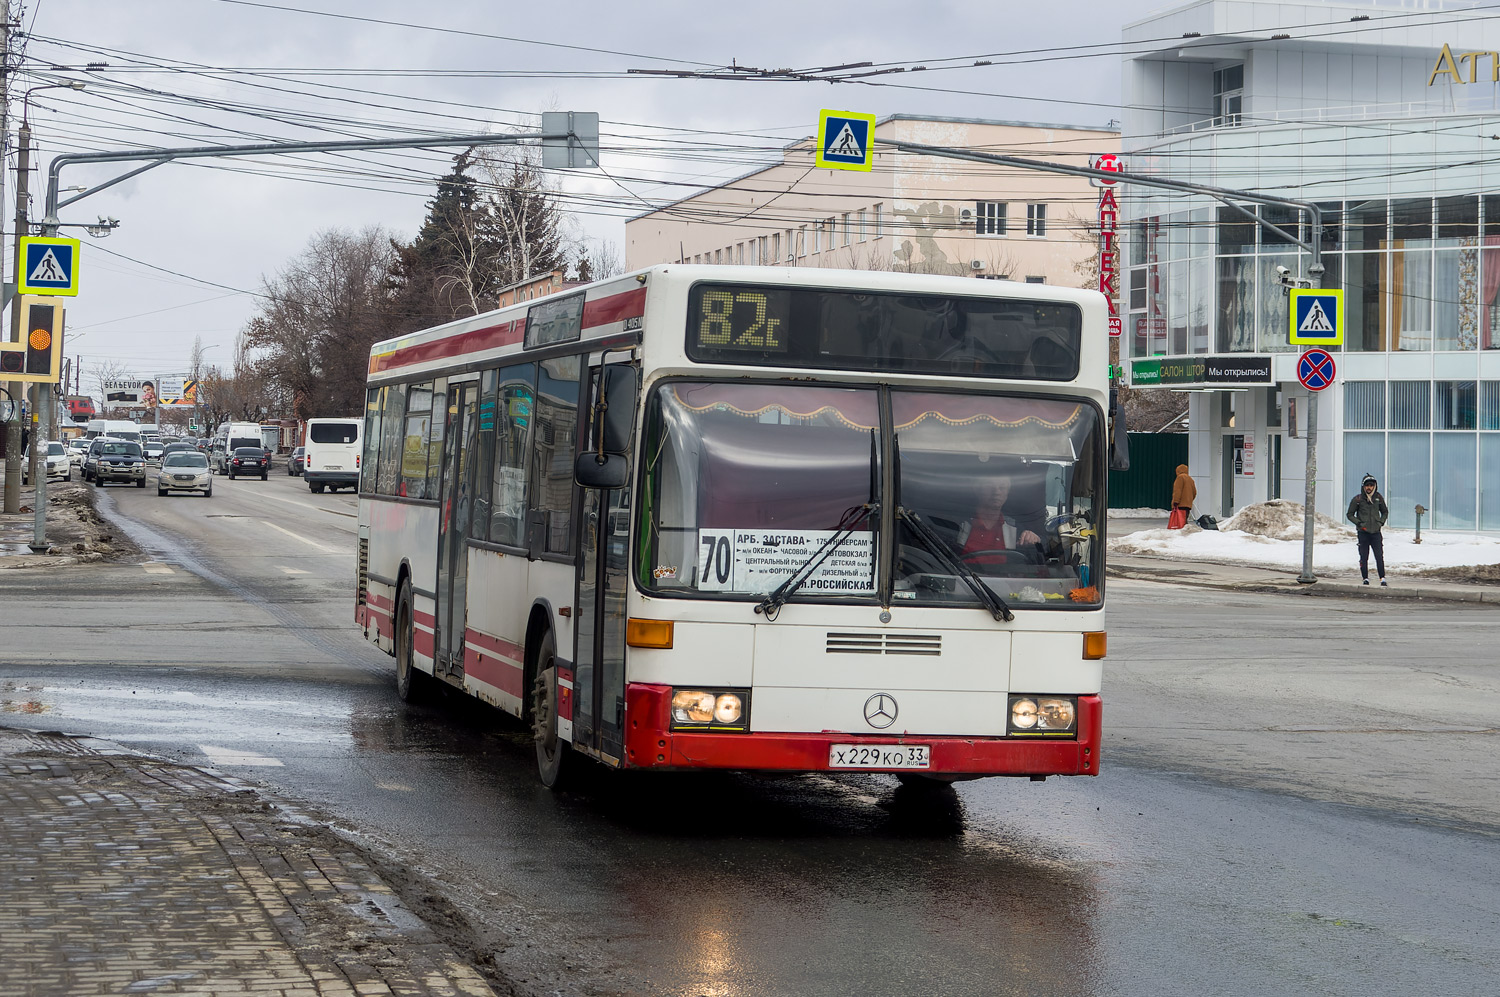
x,y
552,761
410,683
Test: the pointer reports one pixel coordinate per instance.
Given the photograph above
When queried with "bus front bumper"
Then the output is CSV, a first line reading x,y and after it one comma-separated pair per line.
x,y
650,743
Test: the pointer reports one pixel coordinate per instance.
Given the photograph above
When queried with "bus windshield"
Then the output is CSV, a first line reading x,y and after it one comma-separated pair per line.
x,y
745,483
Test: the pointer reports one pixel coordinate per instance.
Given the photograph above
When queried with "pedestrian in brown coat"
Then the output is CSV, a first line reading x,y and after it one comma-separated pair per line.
x,y
1184,494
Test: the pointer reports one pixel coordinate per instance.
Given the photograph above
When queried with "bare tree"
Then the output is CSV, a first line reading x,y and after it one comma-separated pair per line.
x,y
321,314
523,202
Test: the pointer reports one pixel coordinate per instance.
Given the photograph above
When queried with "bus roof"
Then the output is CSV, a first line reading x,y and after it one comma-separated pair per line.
x,y
613,309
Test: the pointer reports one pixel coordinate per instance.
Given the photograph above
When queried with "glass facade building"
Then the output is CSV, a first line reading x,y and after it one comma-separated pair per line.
x,y
1398,155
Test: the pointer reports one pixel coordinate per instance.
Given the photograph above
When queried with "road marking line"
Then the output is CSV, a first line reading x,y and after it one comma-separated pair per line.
x,y
157,568
291,571
309,505
229,756
394,786
310,543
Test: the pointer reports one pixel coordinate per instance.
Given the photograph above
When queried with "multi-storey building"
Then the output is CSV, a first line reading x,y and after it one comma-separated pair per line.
x,y
1385,114
910,212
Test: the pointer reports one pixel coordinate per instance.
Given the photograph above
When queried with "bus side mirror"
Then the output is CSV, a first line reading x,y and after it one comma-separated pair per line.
x,y
610,471
617,392
606,464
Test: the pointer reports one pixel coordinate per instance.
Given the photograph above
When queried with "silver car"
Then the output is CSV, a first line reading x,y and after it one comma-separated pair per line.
x,y
184,471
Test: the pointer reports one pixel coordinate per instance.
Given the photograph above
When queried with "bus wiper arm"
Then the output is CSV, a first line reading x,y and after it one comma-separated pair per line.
x,y
938,549
772,603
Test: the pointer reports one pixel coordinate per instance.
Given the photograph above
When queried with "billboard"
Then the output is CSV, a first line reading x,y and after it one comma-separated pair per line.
x,y
176,389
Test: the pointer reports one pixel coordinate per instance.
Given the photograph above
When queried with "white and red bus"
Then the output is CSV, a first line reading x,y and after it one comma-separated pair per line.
x,y
753,518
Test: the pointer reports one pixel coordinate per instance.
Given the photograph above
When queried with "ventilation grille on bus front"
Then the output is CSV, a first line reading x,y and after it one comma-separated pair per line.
x,y
362,578
884,643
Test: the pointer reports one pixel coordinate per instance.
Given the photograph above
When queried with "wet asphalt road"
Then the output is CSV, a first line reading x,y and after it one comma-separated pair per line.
x,y
1296,795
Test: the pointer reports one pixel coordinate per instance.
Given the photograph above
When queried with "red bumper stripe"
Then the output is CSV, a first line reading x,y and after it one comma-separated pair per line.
x,y
650,744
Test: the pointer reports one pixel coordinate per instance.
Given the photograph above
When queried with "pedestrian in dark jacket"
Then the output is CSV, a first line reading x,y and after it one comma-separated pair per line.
x,y
1368,512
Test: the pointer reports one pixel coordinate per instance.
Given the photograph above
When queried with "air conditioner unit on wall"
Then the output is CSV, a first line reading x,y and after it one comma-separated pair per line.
x,y
966,215
976,264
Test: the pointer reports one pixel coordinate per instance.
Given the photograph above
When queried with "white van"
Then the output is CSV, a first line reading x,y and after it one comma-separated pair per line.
x,y
122,429
331,453
230,437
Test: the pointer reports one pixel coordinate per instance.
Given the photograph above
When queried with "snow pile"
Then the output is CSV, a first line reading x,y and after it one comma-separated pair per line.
x,y
1280,519
1139,514
1238,547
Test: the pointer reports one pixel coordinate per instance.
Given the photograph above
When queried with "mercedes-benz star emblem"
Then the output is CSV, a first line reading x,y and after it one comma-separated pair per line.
x,y
880,710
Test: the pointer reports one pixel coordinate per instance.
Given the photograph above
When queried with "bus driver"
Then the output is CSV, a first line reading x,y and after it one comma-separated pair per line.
x,y
987,529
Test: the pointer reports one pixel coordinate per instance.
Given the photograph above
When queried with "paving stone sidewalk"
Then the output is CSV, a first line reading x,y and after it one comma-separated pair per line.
x,y
122,874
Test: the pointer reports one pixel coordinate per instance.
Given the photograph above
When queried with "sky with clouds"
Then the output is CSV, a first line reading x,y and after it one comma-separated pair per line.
x,y
196,237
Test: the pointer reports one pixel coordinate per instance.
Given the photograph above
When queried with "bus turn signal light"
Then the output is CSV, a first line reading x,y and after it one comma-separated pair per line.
x,y
648,633
1094,645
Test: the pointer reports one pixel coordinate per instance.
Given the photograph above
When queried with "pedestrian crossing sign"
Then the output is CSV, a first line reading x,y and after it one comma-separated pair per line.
x,y
844,141
1317,317
49,265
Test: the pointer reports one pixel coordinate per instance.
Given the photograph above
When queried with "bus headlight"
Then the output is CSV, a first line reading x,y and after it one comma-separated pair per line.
x,y
712,709
1043,716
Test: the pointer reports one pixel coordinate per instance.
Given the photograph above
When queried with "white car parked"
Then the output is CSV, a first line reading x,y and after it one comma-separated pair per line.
x,y
77,450
184,471
58,463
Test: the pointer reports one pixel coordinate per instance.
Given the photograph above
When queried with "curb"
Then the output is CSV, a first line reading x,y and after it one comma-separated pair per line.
x,y
1326,588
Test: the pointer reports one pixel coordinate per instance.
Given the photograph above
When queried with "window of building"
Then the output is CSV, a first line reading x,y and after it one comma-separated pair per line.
x,y
861,224
989,218
802,240
775,248
1036,220
1036,280
879,222
1229,93
718,256
845,240
1411,404
1364,405
1455,405
817,237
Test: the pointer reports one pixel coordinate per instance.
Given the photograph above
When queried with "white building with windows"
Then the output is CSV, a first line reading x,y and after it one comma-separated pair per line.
x,y
1387,115
917,213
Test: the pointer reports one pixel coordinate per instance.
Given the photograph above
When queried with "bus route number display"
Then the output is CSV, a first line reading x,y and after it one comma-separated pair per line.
x,y
751,320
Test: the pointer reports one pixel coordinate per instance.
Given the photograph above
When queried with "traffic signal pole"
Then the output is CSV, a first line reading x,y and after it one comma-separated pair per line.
x,y
17,388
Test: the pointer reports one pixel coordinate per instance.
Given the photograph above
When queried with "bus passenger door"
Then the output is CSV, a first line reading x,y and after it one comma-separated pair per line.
x,y
456,496
603,575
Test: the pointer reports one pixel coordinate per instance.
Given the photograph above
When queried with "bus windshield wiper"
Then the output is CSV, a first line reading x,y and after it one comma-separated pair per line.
x,y
935,546
772,603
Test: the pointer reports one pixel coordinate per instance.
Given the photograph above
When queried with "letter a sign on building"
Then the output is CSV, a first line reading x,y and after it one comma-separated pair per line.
x,y
844,141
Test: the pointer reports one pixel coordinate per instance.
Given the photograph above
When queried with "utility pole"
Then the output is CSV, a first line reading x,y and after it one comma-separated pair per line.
x,y
12,427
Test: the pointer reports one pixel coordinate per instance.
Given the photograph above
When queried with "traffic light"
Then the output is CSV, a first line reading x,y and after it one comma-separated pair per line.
x,y
38,357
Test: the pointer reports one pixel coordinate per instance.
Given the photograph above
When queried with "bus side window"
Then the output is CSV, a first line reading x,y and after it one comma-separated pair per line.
x,y
369,462
553,450
392,423
515,405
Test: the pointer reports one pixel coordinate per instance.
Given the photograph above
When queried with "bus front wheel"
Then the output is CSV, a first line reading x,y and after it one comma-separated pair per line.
x,y
552,762
409,681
